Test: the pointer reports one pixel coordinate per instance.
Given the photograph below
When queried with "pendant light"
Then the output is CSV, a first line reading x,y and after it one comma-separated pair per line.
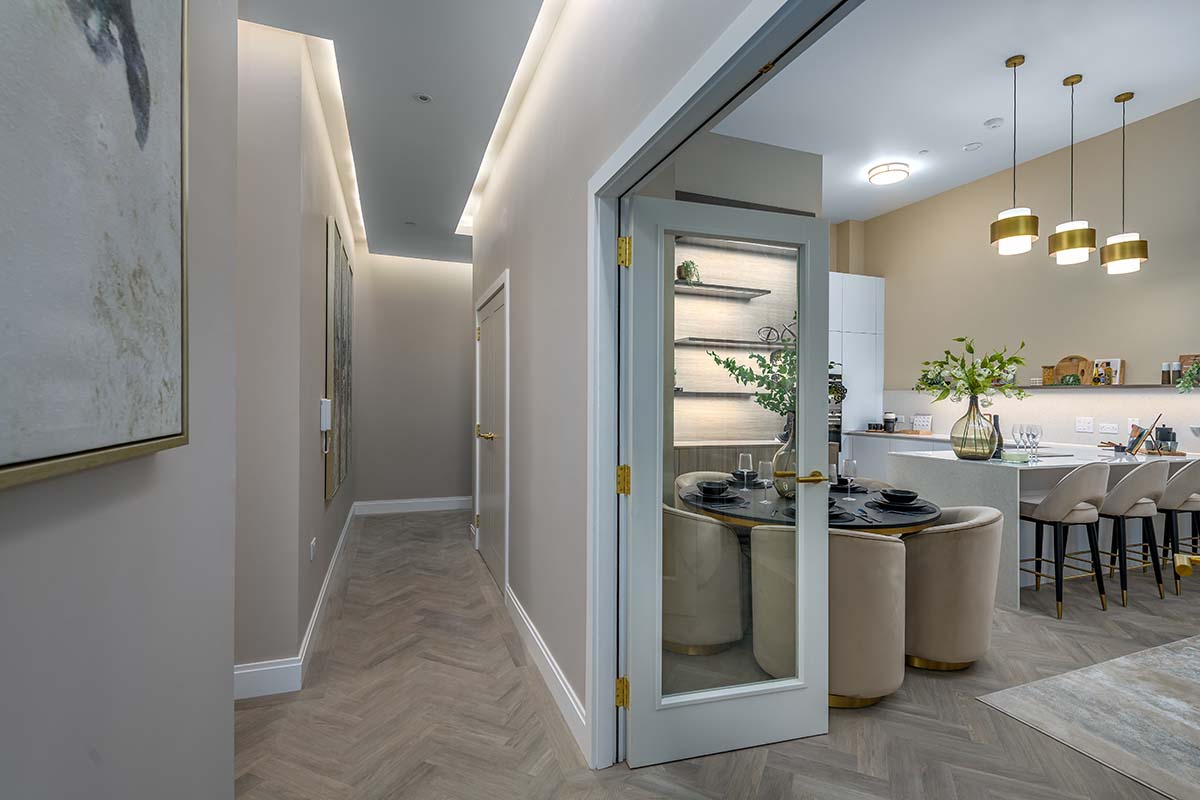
x,y
1015,229
1072,242
1123,252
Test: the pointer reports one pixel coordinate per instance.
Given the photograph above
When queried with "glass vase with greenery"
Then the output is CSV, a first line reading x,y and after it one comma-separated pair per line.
x,y
977,378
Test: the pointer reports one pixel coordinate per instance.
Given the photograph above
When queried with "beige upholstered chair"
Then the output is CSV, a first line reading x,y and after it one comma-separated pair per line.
x,y
691,479
1182,496
1075,500
866,611
1136,496
701,584
950,588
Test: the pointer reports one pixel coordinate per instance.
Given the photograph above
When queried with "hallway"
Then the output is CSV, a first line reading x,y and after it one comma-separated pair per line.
x,y
422,689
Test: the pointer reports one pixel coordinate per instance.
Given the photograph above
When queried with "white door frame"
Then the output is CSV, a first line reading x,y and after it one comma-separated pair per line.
x,y
767,32
502,282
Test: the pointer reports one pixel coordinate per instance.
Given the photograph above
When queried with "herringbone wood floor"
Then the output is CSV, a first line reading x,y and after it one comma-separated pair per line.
x,y
421,689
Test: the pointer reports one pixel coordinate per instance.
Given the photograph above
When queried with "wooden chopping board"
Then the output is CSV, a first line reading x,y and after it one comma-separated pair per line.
x,y
1074,365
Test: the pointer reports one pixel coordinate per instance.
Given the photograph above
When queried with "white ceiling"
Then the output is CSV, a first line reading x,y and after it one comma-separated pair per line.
x,y
415,162
894,78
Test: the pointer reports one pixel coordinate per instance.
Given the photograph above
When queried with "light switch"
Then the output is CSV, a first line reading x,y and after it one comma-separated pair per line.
x,y
1084,424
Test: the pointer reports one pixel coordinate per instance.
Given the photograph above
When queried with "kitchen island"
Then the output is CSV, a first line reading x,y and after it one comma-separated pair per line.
x,y
948,480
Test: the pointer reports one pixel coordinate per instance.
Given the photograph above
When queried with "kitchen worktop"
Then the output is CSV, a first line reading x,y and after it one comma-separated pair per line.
x,y
912,437
1059,456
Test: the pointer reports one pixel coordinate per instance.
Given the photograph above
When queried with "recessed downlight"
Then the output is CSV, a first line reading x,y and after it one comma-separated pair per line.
x,y
971,147
885,174
993,123
421,97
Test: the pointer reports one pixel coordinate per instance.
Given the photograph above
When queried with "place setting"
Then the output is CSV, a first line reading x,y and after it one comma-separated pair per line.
x,y
900,501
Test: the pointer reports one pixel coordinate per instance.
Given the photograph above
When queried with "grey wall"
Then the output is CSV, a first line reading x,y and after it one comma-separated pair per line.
x,y
752,172
414,362
533,220
288,186
268,329
116,584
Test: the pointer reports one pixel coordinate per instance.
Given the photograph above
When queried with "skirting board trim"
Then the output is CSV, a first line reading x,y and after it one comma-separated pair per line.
x,y
572,710
414,504
287,674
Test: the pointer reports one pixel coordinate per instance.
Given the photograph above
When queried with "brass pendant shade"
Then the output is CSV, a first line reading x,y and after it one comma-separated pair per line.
x,y
1072,242
1015,229
1124,252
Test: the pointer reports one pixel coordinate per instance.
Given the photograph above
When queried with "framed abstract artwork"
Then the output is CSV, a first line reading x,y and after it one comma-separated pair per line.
x,y
93,283
339,308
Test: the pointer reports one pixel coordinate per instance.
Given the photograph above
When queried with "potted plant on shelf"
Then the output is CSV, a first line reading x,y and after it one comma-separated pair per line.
x,y
1189,379
979,379
688,271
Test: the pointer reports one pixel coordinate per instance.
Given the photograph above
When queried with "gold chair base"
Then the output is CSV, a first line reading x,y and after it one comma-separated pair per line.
x,y
841,701
939,666
697,649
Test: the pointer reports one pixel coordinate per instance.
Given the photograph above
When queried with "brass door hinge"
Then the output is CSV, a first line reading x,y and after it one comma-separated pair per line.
x,y
624,479
624,251
622,692
478,333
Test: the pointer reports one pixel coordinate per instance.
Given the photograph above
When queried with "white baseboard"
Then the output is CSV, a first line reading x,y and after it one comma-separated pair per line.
x,y
414,504
569,705
287,674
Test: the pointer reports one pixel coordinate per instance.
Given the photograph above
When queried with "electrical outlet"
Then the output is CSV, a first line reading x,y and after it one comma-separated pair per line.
x,y
1109,427
312,549
1084,424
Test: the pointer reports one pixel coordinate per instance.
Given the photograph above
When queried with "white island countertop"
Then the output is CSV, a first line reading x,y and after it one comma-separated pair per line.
x,y
1054,456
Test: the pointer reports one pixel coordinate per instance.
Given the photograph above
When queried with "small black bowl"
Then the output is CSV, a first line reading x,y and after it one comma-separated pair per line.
x,y
744,476
712,488
899,495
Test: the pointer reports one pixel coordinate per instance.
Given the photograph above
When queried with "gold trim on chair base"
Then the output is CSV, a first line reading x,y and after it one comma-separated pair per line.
x,y
697,649
938,666
841,701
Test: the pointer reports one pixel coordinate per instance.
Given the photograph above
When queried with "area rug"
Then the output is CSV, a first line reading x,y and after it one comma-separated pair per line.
x,y
1138,714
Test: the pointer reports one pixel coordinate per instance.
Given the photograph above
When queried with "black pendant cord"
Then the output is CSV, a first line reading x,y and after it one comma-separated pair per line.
x,y
1014,154
1072,193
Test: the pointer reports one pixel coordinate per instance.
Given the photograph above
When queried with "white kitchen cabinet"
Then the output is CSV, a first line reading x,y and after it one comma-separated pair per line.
x,y
859,301
870,451
861,376
835,346
835,301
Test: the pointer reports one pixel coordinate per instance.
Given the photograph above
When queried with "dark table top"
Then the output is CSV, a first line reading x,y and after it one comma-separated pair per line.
x,y
764,506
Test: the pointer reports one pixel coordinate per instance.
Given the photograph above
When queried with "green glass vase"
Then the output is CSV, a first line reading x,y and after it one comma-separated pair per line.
x,y
973,437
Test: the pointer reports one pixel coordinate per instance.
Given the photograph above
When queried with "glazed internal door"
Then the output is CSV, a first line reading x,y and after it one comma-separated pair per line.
x,y
492,437
726,620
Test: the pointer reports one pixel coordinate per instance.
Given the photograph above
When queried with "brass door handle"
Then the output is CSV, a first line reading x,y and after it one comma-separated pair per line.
x,y
813,477
488,436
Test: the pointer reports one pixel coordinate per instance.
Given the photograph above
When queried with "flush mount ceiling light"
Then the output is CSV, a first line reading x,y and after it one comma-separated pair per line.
x,y
1072,242
971,147
1123,252
1015,229
884,174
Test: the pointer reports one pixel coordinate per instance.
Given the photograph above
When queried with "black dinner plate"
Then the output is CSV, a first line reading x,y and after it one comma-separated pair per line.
x,y
852,488
756,484
837,515
719,501
917,508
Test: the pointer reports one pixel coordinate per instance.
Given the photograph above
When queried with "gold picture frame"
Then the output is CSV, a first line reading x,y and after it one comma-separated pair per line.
x,y
40,469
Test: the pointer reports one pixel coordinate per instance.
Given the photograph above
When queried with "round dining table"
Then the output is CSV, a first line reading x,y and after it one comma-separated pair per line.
x,y
857,510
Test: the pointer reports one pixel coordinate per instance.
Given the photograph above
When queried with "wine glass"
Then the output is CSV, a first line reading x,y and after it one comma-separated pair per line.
x,y
1034,432
850,470
1018,432
745,463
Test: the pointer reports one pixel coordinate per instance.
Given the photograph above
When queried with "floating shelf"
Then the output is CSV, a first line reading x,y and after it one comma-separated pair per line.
x,y
1087,386
715,290
749,344
737,395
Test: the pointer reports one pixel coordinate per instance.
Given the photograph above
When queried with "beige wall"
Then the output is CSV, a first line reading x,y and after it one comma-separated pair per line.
x,y
288,185
116,583
414,361
945,280
533,221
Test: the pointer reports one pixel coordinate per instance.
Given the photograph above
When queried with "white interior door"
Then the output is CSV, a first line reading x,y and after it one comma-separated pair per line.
x,y
492,436
771,684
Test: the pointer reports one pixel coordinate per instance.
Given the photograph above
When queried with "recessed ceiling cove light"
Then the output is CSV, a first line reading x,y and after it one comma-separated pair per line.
x,y
971,147
884,174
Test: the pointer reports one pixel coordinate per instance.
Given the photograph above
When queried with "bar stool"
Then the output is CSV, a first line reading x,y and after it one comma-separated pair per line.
x,y
1136,496
1075,500
1181,497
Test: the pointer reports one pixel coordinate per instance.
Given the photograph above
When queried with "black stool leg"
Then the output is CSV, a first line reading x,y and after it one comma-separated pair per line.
x,y
1059,535
1150,541
1195,531
1112,547
1093,533
1037,554
1171,545
1119,531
